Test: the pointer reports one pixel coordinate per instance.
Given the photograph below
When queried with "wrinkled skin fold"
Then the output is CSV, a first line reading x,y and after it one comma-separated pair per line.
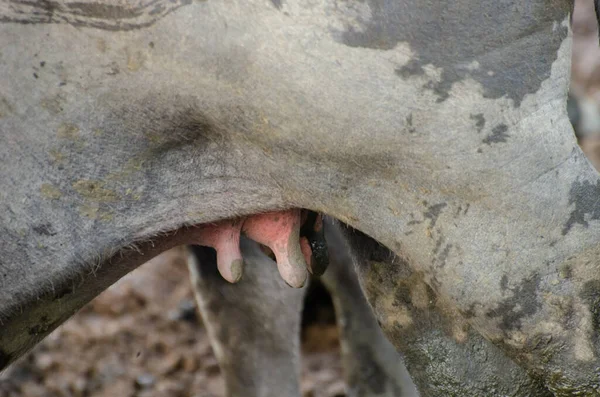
x,y
438,129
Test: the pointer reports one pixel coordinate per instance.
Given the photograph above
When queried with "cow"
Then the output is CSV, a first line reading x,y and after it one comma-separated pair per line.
x,y
436,129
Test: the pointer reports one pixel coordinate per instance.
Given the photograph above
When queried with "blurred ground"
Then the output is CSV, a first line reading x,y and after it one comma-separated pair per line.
x,y
142,337
585,78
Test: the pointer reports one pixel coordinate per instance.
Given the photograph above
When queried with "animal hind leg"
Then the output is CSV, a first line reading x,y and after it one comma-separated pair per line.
x,y
254,325
371,363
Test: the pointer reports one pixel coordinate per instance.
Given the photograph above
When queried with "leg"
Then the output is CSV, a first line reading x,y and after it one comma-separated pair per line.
x,y
443,354
254,325
372,365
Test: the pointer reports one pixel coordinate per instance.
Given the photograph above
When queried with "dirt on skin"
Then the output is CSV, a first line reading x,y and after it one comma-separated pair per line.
x,y
143,337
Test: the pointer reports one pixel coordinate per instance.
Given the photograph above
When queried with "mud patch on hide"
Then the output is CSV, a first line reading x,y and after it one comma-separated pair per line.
x,y
412,68
562,386
479,121
585,197
441,259
103,15
409,122
95,191
433,213
68,131
44,229
566,272
521,305
590,294
50,192
504,282
498,135
5,107
54,104
94,212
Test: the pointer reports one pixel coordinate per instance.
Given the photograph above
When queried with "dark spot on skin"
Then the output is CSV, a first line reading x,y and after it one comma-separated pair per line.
x,y
402,295
412,68
44,229
151,44
470,312
590,293
522,304
467,209
43,63
479,150
585,197
5,358
444,255
277,4
409,122
479,121
513,43
498,135
438,245
458,211
35,75
504,283
566,272
433,212
431,296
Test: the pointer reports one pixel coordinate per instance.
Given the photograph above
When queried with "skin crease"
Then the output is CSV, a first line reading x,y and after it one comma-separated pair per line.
x,y
446,141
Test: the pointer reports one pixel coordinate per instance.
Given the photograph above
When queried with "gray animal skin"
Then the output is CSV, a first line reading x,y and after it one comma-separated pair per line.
x,y
439,129
254,327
